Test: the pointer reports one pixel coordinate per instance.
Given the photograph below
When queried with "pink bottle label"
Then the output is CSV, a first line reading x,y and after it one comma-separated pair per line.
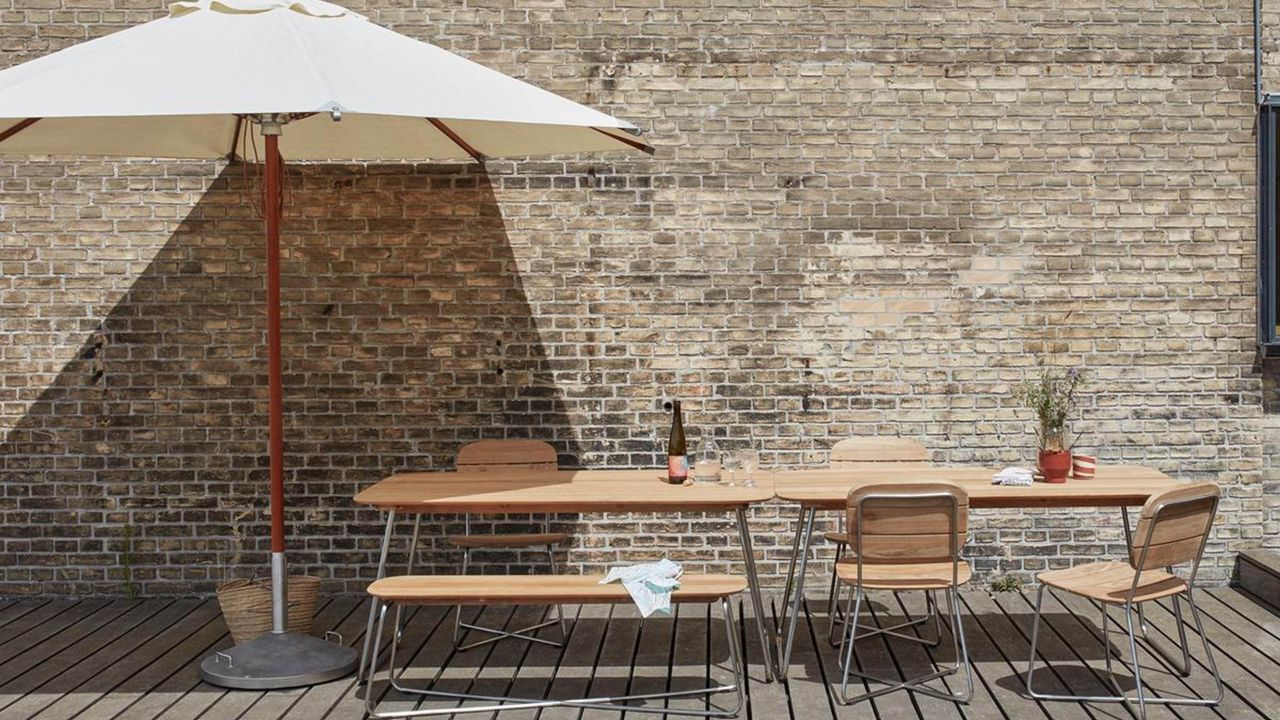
x,y
678,466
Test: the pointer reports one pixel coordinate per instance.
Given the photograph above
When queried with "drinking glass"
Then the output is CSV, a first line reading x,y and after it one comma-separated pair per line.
x,y
730,461
749,461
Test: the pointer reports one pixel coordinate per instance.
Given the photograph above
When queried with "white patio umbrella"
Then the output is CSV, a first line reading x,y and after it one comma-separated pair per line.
x,y
315,82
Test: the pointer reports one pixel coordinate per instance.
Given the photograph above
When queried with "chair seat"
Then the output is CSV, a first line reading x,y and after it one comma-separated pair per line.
x,y
514,540
904,576
1110,582
840,538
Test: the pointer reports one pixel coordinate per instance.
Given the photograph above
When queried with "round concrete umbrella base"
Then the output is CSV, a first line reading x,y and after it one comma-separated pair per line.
x,y
282,660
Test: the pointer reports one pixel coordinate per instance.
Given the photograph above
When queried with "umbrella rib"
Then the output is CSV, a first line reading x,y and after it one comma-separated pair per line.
x,y
235,137
627,141
17,128
457,139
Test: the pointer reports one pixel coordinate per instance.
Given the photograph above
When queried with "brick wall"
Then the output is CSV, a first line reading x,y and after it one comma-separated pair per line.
x,y
860,220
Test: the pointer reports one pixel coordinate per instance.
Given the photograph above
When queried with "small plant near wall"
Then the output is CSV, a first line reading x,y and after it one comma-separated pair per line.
x,y
1053,399
1006,583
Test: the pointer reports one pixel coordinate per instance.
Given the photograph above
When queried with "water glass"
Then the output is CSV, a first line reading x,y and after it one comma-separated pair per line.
x,y
730,462
749,462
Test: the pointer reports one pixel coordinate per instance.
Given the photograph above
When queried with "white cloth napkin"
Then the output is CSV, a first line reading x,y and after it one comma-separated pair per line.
x,y
649,584
1013,476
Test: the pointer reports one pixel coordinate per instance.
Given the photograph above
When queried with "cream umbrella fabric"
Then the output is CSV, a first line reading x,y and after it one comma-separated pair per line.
x,y
178,87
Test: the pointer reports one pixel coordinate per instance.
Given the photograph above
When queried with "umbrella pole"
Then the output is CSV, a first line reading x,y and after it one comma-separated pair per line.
x,y
278,659
272,179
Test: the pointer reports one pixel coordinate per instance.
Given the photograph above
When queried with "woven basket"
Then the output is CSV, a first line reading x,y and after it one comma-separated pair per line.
x,y
246,606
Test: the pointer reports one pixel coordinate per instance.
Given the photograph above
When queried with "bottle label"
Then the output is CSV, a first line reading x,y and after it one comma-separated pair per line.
x,y
678,467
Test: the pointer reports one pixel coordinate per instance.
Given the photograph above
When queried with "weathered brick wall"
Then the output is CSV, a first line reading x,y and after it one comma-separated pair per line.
x,y
862,218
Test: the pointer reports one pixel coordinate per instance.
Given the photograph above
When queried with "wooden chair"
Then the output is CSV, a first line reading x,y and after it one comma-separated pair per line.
x,y
905,537
1172,531
863,452
487,456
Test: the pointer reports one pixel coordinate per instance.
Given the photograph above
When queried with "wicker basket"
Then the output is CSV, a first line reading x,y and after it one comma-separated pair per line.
x,y
246,606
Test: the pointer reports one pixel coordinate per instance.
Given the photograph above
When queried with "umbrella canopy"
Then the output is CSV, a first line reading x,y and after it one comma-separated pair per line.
x,y
182,86
314,82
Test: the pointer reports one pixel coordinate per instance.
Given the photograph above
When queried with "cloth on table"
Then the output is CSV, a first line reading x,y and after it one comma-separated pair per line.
x,y
649,584
1013,476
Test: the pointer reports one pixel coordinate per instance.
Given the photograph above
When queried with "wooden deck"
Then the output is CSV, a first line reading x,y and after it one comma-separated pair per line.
x,y
97,659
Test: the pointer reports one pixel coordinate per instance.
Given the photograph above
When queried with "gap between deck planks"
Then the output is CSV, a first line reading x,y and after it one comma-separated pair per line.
x,y
103,659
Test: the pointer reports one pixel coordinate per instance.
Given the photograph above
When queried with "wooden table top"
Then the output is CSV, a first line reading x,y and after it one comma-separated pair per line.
x,y
546,491
1114,486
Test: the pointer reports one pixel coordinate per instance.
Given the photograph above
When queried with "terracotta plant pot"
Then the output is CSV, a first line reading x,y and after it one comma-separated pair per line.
x,y
1055,465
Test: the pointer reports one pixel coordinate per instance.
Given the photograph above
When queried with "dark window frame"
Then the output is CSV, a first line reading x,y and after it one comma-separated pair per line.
x,y
1268,125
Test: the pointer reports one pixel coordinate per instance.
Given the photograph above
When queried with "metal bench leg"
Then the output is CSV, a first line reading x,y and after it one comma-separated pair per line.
x,y
524,633
1131,629
737,664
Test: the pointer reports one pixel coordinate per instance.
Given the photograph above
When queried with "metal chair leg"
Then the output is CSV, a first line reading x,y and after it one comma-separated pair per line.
x,y
851,636
1142,696
524,633
1133,658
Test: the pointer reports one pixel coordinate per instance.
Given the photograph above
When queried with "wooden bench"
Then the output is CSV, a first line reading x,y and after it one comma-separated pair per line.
x,y
519,590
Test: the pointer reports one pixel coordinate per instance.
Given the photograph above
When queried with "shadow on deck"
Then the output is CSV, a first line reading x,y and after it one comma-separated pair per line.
x,y
98,659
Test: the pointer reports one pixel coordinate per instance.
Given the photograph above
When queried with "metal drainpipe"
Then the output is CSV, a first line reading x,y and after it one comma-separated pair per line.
x,y
1257,51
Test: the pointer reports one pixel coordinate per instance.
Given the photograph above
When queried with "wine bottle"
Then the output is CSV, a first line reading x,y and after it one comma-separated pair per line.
x,y
677,453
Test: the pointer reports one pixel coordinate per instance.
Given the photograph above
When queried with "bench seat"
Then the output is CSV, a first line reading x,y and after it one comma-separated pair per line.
x,y
539,589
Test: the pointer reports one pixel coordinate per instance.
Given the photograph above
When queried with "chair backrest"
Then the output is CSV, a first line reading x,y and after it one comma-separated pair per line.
x,y
862,450
908,522
1174,526
487,455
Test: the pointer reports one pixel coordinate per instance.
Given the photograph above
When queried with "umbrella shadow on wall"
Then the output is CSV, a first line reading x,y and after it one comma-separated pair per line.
x,y
407,332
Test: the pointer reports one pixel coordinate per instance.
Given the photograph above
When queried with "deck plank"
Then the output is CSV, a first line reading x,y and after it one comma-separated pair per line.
x,y
1237,662
201,698
765,700
1002,652
138,660
910,659
426,642
541,664
983,705
37,628
808,675
1246,605
142,681
691,659
1157,674
74,668
1068,642
652,662
579,662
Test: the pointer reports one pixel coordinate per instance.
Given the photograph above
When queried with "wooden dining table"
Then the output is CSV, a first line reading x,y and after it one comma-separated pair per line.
x,y
526,491
827,489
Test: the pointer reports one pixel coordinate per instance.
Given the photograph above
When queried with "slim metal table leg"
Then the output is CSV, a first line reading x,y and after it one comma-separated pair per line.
x,y
789,621
753,583
373,606
791,563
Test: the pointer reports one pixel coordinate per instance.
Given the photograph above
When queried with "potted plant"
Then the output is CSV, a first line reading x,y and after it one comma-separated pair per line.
x,y
1053,398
